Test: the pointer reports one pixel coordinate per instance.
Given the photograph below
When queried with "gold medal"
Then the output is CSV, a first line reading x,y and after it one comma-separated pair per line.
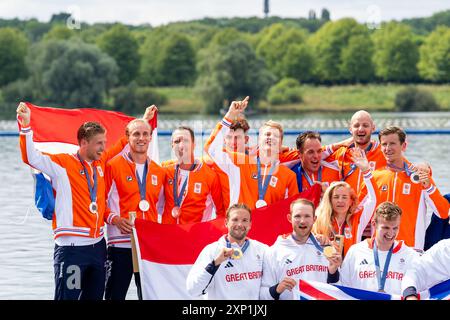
x,y
237,254
328,251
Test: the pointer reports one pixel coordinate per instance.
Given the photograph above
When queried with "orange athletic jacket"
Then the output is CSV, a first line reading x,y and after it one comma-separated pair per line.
x,y
202,192
72,216
123,193
413,199
242,172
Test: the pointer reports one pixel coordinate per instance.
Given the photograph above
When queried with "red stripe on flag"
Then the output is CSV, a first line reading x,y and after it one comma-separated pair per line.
x,y
61,125
181,244
306,288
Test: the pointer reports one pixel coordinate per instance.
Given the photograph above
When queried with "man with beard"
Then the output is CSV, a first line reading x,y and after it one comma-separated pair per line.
x,y
379,264
230,268
135,183
297,255
255,181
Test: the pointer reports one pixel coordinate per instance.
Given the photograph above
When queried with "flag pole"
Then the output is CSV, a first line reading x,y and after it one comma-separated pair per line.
x,y
137,276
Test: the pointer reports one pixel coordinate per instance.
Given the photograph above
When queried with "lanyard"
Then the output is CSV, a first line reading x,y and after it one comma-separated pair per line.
x,y
313,240
381,278
353,166
178,197
300,173
92,189
262,185
405,168
142,183
341,227
244,247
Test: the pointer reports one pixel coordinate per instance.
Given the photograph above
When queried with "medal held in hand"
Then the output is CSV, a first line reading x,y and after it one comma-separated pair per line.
x,y
237,254
328,251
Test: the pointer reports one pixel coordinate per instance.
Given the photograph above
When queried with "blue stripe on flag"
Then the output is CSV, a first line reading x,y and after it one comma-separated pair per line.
x,y
440,290
364,294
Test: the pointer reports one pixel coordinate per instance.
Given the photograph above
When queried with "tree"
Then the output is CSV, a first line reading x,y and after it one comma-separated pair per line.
x,y
325,16
298,63
328,43
396,54
59,32
434,64
119,43
13,48
176,64
356,60
71,73
275,43
230,72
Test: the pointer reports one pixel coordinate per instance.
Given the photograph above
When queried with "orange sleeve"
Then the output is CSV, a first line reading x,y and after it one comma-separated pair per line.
x,y
216,193
289,155
114,150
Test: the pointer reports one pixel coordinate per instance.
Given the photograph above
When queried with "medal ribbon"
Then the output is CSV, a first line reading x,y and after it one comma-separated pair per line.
x,y
142,183
93,189
319,176
381,278
352,166
405,168
177,198
244,247
262,186
313,240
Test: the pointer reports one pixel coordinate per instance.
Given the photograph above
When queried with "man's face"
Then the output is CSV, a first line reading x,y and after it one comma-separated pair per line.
x,y
386,231
238,224
236,140
311,155
139,138
182,145
361,128
341,200
269,140
94,147
302,219
392,148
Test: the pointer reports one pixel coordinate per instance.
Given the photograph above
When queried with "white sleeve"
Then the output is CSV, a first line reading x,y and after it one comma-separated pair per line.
x,y
269,277
367,205
345,272
161,202
38,160
214,146
430,269
199,280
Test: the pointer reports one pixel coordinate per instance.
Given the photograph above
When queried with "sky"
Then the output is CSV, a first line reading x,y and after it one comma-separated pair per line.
x,y
154,12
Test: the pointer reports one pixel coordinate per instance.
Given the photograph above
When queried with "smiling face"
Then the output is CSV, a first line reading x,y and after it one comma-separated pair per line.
x,y
269,140
361,128
182,145
238,224
392,148
311,155
94,147
139,136
236,140
386,231
302,219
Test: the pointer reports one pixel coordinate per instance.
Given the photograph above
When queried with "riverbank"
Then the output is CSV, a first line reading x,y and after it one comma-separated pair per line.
x,y
348,98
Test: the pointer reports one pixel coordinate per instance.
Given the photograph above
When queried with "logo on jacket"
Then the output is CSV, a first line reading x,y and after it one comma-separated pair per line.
x,y
82,172
406,188
129,178
229,265
273,181
363,262
100,171
254,175
372,165
287,261
154,180
198,187
170,181
384,187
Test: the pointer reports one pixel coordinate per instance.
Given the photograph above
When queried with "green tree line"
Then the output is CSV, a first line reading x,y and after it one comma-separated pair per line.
x,y
117,66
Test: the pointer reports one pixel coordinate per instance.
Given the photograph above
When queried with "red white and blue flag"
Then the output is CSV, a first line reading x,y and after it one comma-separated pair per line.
x,y
313,290
167,252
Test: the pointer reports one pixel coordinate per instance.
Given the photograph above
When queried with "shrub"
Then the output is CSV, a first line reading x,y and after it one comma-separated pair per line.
x,y
286,91
413,99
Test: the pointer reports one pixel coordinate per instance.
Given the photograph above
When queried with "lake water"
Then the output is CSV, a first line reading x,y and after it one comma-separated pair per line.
x,y
26,245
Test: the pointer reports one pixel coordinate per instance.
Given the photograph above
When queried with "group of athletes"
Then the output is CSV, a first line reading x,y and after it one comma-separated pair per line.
x,y
366,233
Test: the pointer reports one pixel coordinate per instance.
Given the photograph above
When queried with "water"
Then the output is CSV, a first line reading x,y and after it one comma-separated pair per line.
x,y
26,245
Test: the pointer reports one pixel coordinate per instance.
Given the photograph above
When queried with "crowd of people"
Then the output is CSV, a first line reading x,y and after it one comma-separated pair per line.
x,y
368,231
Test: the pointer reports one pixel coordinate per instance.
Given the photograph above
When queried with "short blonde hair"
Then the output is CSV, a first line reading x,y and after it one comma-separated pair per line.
x,y
135,122
273,124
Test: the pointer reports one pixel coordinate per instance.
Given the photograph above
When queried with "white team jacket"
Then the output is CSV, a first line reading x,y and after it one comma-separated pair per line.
x,y
358,268
430,269
235,279
286,258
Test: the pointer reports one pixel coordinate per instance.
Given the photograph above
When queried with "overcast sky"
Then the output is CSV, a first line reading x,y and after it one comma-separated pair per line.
x,y
157,12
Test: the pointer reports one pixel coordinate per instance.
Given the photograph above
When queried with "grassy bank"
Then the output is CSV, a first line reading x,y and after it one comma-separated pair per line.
x,y
316,98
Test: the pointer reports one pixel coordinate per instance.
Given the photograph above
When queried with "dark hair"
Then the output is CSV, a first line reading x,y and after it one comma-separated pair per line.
x,y
238,206
387,210
191,132
89,129
240,124
302,137
393,130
